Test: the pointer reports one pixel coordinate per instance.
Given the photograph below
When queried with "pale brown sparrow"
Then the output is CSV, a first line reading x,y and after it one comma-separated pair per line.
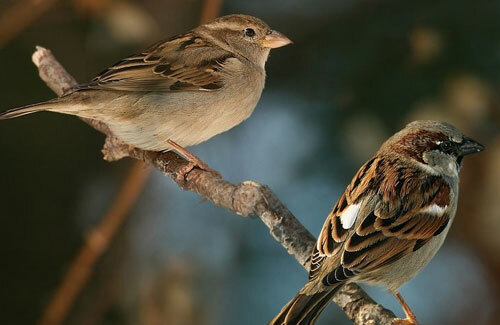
x,y
390,221
186,89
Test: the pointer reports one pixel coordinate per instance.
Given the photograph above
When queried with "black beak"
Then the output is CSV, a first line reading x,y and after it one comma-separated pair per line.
x,y
469,146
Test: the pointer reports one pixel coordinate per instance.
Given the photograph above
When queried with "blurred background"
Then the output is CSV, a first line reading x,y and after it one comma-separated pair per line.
x,y
357,72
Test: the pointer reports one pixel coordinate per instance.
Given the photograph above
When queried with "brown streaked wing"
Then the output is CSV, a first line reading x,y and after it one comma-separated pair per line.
x,y
333,234
384,238
178,64
316,262
394,228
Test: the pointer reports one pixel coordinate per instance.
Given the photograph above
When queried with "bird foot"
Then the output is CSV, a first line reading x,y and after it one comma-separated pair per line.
x,y
404,321
182,173
410,319
193,162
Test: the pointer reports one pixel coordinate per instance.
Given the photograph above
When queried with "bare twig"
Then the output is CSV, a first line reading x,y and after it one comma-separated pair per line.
x,y
247,198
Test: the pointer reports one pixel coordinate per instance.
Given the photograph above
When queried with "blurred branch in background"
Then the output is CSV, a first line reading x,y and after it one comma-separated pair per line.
x,y
210,10
96,243
100,237
247,198
19,16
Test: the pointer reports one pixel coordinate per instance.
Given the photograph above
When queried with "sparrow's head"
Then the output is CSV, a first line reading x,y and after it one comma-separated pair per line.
x,y
438,146
244,35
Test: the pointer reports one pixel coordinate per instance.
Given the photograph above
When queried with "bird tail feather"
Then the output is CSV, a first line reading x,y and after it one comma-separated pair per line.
x,y
305,309
28,109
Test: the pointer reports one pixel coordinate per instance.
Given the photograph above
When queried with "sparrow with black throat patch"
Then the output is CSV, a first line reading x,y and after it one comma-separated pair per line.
x,y
179,92
391,220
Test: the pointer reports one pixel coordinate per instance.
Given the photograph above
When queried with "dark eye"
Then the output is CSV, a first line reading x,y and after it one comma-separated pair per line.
x,y
446,147
249,32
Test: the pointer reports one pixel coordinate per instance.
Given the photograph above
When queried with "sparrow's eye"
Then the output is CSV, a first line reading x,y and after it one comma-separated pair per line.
x,y
249,32
446,146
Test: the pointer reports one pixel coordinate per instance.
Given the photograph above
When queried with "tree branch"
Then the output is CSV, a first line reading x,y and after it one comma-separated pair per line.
x,y
246,199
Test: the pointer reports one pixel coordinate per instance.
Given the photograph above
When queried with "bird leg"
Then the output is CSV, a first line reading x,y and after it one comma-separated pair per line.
x,y
193,162
410,319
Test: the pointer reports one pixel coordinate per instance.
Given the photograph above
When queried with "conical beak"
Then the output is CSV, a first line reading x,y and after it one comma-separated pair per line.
x,y
469,146
274,40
